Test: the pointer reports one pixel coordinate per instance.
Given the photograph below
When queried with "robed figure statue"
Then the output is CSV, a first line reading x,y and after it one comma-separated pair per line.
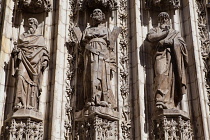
x,y
97,42
30,59
170,62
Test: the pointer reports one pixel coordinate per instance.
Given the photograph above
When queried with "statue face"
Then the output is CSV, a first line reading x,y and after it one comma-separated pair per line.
x,y
164,22
98,15
32,26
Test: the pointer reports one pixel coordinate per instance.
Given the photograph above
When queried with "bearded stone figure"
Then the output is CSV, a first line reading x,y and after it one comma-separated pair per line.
x,y
170,62
30,59
97,63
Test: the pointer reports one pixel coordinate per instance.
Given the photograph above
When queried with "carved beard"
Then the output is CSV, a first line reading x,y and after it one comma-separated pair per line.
x,y
97,18
32,30
165,26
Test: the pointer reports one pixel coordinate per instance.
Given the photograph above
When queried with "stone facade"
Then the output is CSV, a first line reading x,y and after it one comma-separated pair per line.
x,y
104,70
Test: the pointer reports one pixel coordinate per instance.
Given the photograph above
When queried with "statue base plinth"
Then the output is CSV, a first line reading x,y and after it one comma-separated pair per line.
x,y
24,124
96,123
171,124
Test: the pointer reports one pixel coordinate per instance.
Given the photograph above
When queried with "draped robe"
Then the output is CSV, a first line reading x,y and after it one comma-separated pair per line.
x,y
170,62
28,70
96,79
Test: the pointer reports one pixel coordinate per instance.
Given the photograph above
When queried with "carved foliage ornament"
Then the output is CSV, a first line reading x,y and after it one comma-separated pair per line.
x,y
124,71
35,6
205,42
28,130
70,74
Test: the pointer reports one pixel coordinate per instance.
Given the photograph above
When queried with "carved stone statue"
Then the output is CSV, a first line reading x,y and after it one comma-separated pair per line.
x,y
170,62
98,44
30,58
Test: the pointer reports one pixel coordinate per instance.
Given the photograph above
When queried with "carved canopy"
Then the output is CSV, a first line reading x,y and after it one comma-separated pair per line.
x,y
110,5
35,6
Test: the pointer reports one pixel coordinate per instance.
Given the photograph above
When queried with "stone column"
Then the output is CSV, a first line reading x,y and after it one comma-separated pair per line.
x,y
96,123
169,124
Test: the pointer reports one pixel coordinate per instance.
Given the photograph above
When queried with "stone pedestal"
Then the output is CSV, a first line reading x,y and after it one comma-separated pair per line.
x,y
171,124
24,124
96,123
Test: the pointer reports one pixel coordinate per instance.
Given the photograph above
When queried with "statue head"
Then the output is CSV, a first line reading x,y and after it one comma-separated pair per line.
x,y
98,16
164,20
33,25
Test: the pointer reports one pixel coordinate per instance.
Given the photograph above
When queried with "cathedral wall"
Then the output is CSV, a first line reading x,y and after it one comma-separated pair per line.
x,y
60,96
